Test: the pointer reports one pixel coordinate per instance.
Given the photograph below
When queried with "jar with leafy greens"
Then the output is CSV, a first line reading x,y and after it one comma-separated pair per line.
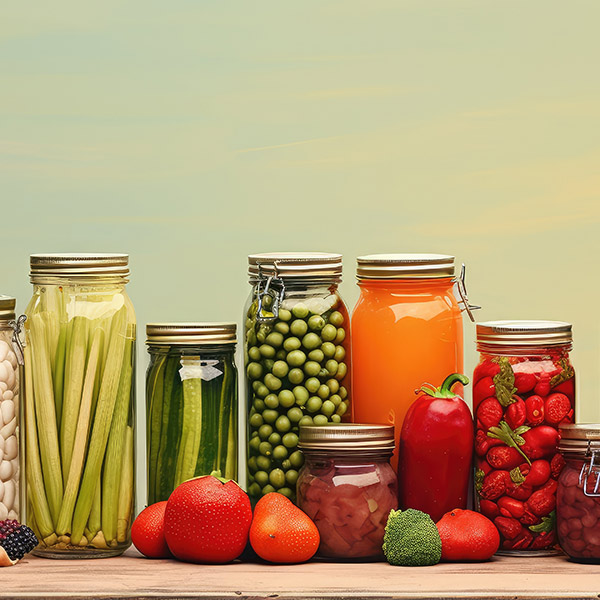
x,y
191,404
79,405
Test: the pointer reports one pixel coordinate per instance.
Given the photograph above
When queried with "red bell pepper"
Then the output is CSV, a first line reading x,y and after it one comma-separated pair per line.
x,y
436,449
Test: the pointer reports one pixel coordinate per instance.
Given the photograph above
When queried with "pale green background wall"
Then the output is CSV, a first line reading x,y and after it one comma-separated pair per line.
x,y
191,133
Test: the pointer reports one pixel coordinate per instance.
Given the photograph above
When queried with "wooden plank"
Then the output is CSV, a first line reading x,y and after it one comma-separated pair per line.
x,y
132,576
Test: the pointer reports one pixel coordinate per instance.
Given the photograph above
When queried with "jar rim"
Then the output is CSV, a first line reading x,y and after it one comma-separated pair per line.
x,y
191,334
7,308
320,266
523,333
579,438
85,267
347,438
404,266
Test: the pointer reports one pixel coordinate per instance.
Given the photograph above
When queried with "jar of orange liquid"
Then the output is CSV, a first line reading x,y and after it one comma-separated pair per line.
x,y
406,330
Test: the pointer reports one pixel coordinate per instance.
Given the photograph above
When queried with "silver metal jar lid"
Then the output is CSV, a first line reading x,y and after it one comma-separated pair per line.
x,y
579,438
347,437
84,267
404,266
7,308
296,265
524,333
190,334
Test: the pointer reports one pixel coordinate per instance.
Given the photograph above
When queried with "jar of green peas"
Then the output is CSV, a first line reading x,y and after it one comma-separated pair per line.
x,y
297,362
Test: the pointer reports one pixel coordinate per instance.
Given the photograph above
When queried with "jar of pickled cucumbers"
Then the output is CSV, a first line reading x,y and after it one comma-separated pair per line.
x,y
296,348
10,360
79,405
523,391
191,404
348,487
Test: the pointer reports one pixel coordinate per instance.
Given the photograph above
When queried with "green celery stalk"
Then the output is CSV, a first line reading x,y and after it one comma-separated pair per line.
x,y
46,415
155,402
191,430
101,427
52,309
125,509
95,519
209,432
224,410
111,477
231,471
59,372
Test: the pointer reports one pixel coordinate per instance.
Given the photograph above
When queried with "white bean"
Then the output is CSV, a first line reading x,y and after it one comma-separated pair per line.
x,y
3,386
1,445
13,515
11,448
4,373
8,409
3,512
12,379
6,470
9,428
15,466
8,395
4,350
12,359
9,494
1,490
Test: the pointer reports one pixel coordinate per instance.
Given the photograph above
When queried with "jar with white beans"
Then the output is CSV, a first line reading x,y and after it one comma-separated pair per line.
x,y
9,412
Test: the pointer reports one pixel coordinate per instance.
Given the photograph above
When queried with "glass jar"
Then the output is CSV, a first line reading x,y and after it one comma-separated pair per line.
x,y
348,487
297,361
406,331
578,494
523,389
79,405
191,404
10,360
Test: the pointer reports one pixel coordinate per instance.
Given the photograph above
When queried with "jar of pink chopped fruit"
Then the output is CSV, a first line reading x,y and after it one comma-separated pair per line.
x,y
347,487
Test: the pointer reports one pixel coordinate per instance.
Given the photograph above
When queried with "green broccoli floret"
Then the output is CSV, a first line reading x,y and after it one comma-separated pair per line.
x,y
411,539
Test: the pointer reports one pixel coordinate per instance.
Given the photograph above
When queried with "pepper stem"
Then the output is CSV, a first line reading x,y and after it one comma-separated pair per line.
x,y
445,390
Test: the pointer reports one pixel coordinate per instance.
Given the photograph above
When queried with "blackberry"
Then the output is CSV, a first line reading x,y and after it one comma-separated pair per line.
x,y
16,539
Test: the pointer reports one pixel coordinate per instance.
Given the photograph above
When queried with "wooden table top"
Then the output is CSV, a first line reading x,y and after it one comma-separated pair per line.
x,y
132,576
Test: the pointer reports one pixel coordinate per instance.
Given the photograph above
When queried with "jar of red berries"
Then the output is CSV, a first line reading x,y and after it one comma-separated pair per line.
x,y
523,390
578,494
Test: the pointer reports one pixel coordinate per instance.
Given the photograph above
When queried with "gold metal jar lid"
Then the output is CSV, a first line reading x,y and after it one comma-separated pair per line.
x,y
524,333
579,439
404,266
347,437
296,265
7,308
190,334
84,267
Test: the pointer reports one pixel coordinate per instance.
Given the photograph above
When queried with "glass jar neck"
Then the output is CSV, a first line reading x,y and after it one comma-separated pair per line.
x,y
212,349
301,285
86,285
407,284
347,456
524,350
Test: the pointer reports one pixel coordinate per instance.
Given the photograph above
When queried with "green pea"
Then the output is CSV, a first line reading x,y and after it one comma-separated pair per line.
x,y
249,323
312,385
286,491
295,414
262,391
261,336
316,323
269,415
297,459
274,439
328,333
280,369
264,431
256,421
291,477
287,398
282,424
336,419
285,315
305,420
282,328
267,364
263,462
267,301
254,433
268,489
316,355
336,318
314,405
323,391
273,383
254,490
254,370
300,311
336,399
286,464
258,404
300,394
271,401
281,354
328,408
341,409
343,392
265,448
341,371
252,464
254,353
290,440
328,349
341,335
296,376
312,368
296,358
320,420
340,353
254,443
261,477
292,343
298,328
311,341
277,478
251,338
267,351
280,452
331,366
275,339
333,385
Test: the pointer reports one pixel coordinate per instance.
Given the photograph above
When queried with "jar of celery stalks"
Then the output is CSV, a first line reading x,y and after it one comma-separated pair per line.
x,y
79,405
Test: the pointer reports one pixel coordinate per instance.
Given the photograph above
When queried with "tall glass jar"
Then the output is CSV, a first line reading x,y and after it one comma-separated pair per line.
x,y
10,360
297,361
347,487
406,330
79,405
578,494
523,390
191,404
